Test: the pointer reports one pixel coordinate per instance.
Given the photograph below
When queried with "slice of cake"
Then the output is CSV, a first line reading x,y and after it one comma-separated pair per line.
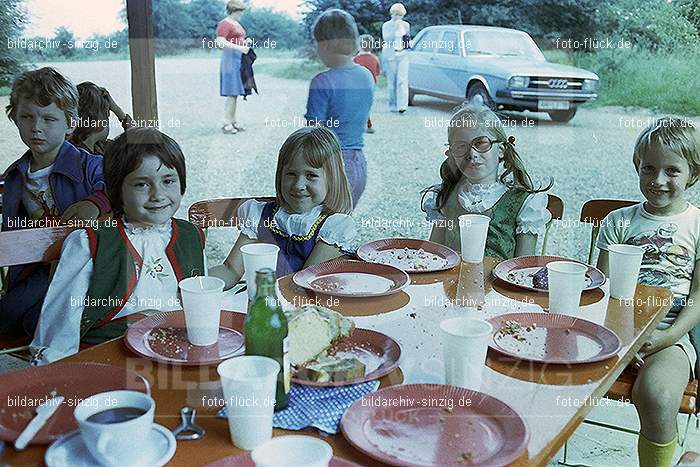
x,y
327,369
313,330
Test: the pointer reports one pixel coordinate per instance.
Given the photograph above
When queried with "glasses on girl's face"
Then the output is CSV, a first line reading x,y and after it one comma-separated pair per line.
x,y
480,144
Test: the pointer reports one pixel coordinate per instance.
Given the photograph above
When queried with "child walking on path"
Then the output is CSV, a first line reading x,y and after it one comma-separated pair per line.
x,y
667,159
130,263
474,183
368,60
309,220
341,97
52,183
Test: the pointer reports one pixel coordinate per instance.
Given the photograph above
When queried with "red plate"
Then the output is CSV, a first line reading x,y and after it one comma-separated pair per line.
x,y
554,338
21,391
371,252
518,271
163,337
379,352
343,278
245,460
413,425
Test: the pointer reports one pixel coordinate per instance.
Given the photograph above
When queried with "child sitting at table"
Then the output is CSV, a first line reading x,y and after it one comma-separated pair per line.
x,y
52,182
92,129
130,263
309,220
667,159
340,98
473,183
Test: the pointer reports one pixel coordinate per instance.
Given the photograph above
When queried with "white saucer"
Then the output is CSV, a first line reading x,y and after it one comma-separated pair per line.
x,y
70,451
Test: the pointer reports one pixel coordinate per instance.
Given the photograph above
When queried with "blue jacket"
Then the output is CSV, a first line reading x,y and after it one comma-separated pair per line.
x,y
76,176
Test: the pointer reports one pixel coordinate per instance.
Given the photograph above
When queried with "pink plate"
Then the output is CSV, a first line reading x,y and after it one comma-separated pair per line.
x,y
163,337
552,338
518,272
21,391
379,352
343,278
438,258
435,424
245,460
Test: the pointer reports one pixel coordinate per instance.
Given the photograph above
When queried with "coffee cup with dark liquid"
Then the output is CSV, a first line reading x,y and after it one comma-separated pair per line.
x,y
116,426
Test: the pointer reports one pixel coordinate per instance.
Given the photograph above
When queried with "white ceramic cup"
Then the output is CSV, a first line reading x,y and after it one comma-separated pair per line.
x,y
465,342
257,256
473,229
624,262
299,451
201,299
249,384
566,282
119,443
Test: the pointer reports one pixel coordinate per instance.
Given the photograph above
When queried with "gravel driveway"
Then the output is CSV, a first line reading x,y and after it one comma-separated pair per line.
x,y
589,158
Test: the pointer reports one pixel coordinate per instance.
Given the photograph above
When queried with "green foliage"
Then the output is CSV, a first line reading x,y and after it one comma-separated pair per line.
x,y
66,39
649,24
263,23
12,21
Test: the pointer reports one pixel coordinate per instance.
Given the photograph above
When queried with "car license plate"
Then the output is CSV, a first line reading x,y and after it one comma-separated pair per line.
x,y
553,105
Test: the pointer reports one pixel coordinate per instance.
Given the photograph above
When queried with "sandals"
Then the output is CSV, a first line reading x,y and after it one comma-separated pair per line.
x,y
229,129
238,127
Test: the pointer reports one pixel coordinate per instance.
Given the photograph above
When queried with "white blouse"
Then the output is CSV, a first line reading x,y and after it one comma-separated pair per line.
x,y
338,229
58,331
479,198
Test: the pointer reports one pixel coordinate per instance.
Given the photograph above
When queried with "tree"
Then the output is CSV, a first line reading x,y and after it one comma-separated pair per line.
x,y
65,38
262,24
204,16
12,20
172,26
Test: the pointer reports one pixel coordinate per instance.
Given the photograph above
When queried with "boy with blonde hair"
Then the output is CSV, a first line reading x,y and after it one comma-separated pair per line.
x,y
52,183
667,160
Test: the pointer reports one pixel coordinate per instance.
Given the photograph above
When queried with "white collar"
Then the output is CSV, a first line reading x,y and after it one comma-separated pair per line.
x,y
297,223
153,229
479,197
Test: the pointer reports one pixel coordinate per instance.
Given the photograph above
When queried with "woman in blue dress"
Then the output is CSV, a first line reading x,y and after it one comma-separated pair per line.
x,y
230,36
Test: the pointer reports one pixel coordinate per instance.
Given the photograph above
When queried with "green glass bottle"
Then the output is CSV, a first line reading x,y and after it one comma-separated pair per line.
x,y
265,331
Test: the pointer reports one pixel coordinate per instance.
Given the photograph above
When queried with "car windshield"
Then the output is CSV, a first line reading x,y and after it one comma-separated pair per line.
x,y
508,44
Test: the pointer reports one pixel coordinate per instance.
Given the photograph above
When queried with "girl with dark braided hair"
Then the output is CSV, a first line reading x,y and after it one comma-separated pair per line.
x,y
483,174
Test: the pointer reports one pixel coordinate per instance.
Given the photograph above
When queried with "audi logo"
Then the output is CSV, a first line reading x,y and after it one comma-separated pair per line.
x,y
558,83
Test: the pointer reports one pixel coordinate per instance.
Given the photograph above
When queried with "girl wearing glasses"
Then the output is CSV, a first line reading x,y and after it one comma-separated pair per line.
x,y
483,174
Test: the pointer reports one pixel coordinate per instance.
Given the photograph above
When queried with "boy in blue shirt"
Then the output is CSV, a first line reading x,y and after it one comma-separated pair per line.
x,y
52,183
341,97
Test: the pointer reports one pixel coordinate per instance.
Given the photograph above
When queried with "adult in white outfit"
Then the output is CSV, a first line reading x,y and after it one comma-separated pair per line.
x,y
395,57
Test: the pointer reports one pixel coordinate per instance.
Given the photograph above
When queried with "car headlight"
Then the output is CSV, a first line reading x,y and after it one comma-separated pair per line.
x,y
519,82
589,85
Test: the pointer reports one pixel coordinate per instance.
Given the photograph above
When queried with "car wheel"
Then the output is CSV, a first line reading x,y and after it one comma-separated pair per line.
x,y
562,116
411,95
478,91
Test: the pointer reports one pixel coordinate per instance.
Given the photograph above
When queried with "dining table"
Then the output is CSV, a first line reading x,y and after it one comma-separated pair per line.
x,y
551,399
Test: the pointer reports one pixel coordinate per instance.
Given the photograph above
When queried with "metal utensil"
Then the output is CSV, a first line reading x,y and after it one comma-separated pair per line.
x,y
43,412
188,429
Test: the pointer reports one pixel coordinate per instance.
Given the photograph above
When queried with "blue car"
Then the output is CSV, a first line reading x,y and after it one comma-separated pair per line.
x,y
502,66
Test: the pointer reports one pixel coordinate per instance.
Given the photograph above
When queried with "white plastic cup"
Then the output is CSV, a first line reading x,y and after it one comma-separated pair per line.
x,y
465,342
566,282
257,256
624,264
473,229
117,443
299,451
249,384
201,299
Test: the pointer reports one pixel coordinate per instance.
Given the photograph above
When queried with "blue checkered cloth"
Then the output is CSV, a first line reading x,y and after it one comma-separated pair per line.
x,y
318,407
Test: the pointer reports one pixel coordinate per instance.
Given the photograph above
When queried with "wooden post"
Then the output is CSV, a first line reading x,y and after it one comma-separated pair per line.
x,y
143,66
